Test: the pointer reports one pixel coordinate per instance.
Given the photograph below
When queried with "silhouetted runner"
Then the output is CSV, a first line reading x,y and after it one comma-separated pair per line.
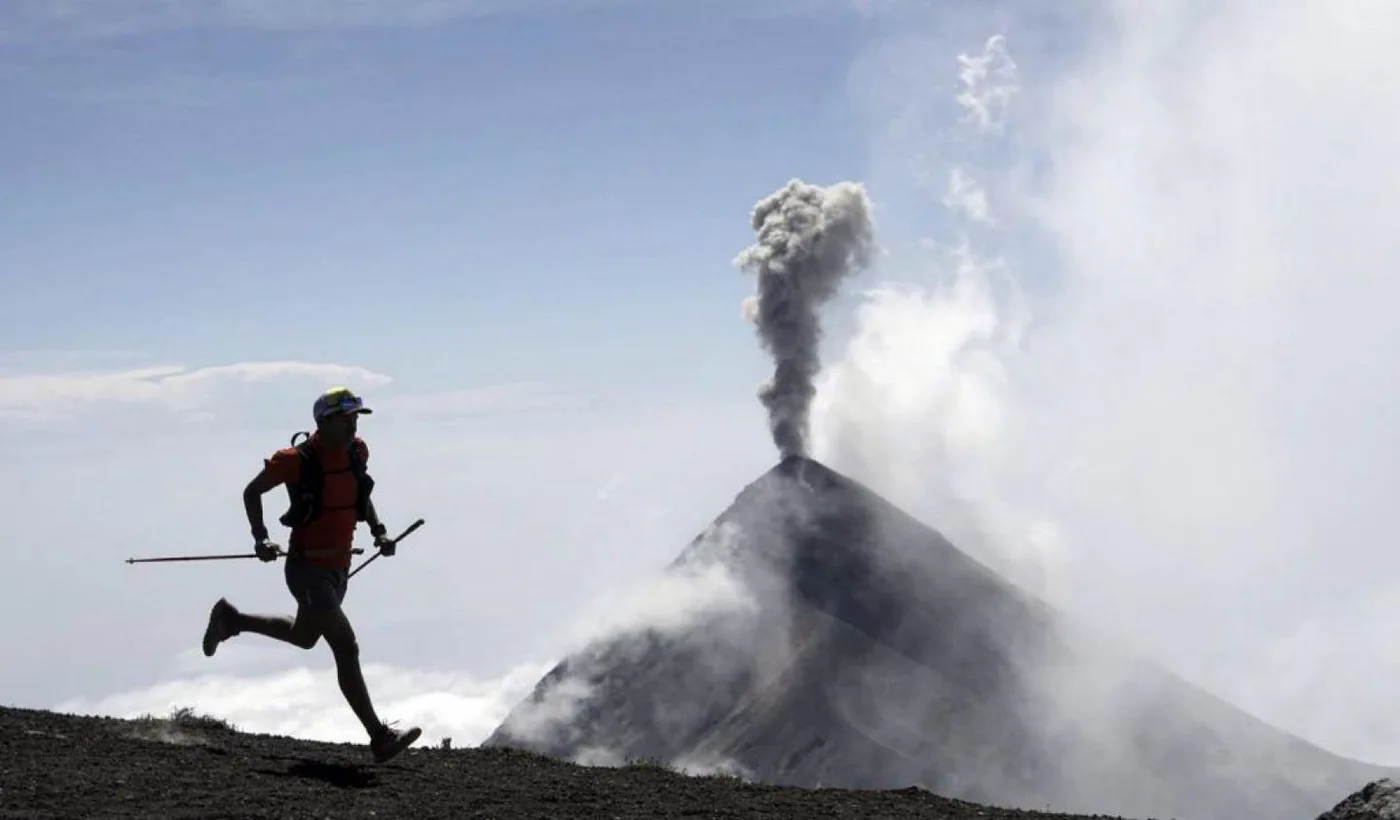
x,y
329,491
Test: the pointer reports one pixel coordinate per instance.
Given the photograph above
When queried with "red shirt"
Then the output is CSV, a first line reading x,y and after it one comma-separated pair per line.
x,y
334,531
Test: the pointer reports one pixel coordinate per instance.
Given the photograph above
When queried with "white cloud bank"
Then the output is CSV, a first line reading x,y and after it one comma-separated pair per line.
x,y
306,702
173,387
65,394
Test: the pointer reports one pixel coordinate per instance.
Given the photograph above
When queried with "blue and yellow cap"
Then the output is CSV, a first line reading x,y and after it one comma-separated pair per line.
x,y
338,400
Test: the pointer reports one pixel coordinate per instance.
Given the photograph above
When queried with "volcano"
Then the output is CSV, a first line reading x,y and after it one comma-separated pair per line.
x,y
861,649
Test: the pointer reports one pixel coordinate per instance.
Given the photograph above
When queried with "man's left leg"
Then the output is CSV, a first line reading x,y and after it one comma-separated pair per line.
x,y
345,648
323,609
384,740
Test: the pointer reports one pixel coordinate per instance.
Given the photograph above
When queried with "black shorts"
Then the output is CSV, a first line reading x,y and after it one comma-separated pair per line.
x,y
316,588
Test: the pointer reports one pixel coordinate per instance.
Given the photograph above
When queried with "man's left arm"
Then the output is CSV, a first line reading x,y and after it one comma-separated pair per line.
x,y
376,527
382,540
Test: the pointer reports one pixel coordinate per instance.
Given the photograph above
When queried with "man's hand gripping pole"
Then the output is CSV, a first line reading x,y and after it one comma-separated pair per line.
x,y
401,536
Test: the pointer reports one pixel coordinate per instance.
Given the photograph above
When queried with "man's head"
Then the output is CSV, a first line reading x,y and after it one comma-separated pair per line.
x,y
337,412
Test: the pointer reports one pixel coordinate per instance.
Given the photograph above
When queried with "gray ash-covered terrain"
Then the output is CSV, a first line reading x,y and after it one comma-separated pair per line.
x,y
868,652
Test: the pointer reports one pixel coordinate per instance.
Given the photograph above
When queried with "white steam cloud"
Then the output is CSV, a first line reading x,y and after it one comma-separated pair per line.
x,y
1151,377
920,405
810,240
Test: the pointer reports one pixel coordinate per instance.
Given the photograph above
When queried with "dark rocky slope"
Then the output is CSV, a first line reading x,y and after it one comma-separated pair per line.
x,y
63,766
873,654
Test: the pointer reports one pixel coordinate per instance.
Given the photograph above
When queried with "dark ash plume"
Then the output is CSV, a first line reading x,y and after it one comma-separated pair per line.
x,y
810,239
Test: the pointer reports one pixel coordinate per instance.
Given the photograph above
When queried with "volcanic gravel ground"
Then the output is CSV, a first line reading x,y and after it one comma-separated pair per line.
x,y
54,765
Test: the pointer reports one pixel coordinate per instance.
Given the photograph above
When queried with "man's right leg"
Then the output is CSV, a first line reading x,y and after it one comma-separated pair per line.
x,y
225,621
308,587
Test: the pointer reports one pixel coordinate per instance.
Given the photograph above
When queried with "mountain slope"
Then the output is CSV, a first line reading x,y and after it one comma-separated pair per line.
x,y
871,653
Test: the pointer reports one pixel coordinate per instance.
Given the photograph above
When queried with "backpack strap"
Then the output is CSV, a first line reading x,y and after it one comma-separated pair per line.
x,y
364,483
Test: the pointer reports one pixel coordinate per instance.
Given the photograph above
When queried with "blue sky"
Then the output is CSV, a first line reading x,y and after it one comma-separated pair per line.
x,y
514,232
415,194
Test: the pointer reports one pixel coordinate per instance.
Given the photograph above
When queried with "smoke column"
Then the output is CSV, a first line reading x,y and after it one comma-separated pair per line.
x,y
810,239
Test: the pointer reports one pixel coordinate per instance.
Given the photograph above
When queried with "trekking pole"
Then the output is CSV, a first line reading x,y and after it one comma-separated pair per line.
x,y
225,557
401,536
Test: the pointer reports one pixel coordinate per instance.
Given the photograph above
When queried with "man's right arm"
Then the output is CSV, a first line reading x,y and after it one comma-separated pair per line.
x,y
252,500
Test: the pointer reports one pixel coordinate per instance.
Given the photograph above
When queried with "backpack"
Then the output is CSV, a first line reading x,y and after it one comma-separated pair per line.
x,y
304,498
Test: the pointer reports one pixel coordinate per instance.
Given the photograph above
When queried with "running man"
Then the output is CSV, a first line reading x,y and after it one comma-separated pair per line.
x,y
330,493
